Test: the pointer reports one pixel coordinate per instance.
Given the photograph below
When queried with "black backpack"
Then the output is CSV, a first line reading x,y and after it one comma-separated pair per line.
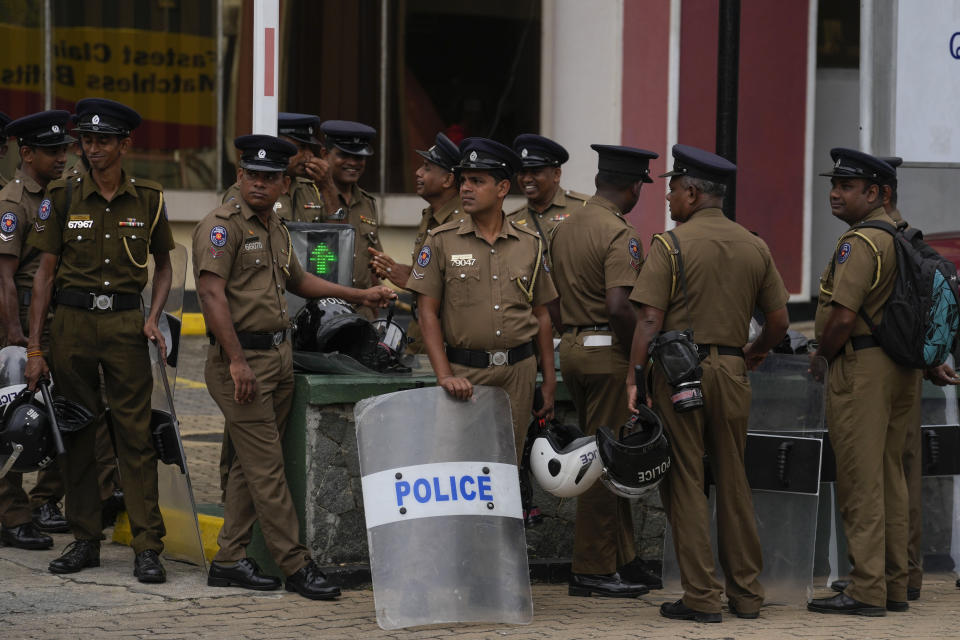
x,y
921,316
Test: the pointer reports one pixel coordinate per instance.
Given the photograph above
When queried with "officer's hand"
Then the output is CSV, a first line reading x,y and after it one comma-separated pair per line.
x,y
15,337
815,369
381,263
632,397
753,357
941,376
244,382
36,371
317,169
548,391
378,297
153,334
459,388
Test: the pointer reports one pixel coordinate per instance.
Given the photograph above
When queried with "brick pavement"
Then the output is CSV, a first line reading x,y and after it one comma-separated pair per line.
x,y
107,602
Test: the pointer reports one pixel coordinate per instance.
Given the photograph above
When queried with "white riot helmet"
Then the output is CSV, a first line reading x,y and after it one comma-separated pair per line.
x,y
564,461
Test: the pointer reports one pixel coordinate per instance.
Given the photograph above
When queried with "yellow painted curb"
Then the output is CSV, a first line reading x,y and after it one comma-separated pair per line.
x,y
193,325
209,530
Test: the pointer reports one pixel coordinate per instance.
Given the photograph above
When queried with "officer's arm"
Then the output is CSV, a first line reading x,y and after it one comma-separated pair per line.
x,y
622,316
545,346
649,323
553,308
429,317
775,326
310,286
211,290
39,303
836,332
9,305
162,277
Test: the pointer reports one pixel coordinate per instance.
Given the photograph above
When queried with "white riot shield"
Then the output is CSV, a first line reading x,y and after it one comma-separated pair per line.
x,y
441,498
177,504
13,363
782,460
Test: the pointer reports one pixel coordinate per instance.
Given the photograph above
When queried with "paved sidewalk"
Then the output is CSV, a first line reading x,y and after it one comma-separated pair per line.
x,y
108,602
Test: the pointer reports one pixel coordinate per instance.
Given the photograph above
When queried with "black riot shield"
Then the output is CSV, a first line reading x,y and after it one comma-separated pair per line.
x,y
325,250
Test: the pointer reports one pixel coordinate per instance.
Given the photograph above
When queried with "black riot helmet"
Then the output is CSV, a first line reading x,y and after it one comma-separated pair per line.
x,y
330,325
636,462
25,425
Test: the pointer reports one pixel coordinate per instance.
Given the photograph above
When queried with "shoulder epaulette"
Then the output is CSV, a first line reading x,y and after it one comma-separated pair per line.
x,y
525,229
302,180
143,183
227,209
446,226
12,191
576,195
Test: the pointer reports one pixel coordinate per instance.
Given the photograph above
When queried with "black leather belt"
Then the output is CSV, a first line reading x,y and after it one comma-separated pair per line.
x,y
863,342
99,301
704,350
258,340
587,327
24,296
483,359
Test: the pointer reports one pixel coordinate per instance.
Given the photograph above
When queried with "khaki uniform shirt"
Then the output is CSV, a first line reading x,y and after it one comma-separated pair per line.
x,y
482,305
564,202
20,203
234,244
849,279
729,272
432,219
303,204
593,250
103,245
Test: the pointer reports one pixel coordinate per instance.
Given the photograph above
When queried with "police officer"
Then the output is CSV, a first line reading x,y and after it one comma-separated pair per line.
x,y
42,139
243,264
346,149
483,291
596,259
548,204
435,184
728,272
4,120
96,234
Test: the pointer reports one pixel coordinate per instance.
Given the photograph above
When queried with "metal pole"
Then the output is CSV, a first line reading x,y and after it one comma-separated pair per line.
x,y
266,38
385,43
728,83
48,34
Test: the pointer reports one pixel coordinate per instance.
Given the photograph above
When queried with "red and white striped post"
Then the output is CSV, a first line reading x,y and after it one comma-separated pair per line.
x,y
266,44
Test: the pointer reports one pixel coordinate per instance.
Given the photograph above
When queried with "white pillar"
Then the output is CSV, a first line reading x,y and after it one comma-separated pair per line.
x,y
266,48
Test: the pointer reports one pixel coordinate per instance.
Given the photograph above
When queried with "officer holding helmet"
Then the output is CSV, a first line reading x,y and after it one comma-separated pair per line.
x,y
596,259
96,234
243,264
727,273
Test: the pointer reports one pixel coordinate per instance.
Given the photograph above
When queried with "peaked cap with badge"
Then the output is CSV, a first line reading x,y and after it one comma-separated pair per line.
x,y
44,129
538,151
851,163
101,115
444,153
301,127
264,153
894,162
628,161
4,121
701,164
484,154
350,137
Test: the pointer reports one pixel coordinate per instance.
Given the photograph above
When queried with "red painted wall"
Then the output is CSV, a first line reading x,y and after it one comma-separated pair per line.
x,y
697,109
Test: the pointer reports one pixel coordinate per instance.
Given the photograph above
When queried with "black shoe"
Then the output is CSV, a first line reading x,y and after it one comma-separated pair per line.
x,y
913,593
608,585
897,605
679,611
49,518
842,603
78,555
840,585
26,536
243,573
751,615
147,567
111,508
635,572
311,583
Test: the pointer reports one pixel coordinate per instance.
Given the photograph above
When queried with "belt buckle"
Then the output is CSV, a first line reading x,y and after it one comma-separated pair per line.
x,y
102,302
278,338
498,358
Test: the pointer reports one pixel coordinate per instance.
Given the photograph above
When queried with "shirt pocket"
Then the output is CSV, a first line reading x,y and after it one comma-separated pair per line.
x,y
132,245
462,285
513,293
255,267
79,247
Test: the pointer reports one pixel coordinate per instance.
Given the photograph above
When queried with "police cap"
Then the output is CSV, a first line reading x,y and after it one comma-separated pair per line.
x,y
850,163
264,153
350,137
628,161
443,153
488,155
4,120
697,163
537,151
100,115
894,162
299,126
44,129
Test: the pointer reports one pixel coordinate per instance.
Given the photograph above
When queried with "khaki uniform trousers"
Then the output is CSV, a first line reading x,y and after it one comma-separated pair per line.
x,y
84,344
256,487
913,472
519,381
603,536
868,400
719,430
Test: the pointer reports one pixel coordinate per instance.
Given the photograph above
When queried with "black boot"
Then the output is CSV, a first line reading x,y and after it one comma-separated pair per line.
x,y
635,572
608,585
311,583
49,518
79,554
147,567
26,536
243,573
